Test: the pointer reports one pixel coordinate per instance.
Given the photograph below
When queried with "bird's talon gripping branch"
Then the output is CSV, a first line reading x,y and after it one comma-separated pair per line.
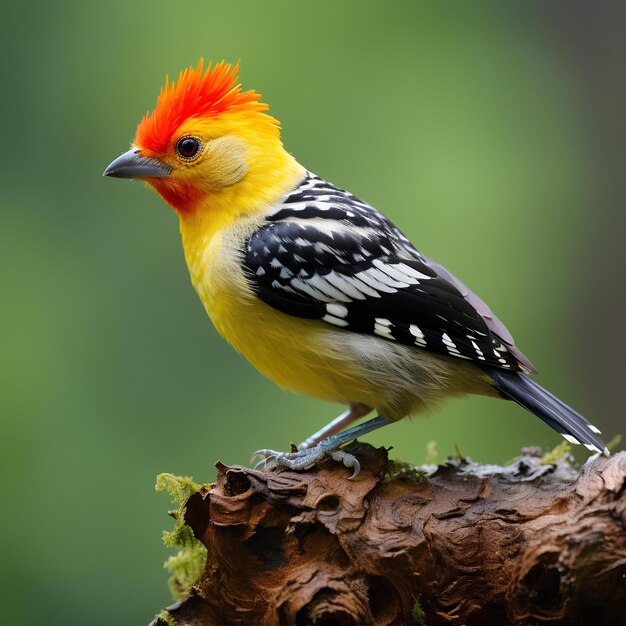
x,y
267,457
305,459
349,460
316,287
263,452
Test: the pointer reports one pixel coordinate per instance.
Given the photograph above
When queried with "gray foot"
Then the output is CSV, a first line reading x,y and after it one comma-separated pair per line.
x,y
304,459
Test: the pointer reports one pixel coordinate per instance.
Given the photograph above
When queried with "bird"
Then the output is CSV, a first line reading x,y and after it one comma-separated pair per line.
x,y
320,291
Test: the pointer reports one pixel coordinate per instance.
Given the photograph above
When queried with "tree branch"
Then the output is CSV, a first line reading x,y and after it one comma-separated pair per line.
x,y
461,543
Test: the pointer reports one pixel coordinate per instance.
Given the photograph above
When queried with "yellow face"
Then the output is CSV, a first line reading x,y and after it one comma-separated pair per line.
x,y
203,157
205,154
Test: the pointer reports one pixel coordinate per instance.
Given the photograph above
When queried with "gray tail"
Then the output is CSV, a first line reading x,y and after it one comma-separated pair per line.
x,y
547,407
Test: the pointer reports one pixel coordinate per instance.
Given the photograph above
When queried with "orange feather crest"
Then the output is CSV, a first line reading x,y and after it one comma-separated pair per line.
x,y
196,93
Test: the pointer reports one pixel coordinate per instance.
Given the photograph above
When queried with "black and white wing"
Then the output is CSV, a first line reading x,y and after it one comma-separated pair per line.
x,y
327,255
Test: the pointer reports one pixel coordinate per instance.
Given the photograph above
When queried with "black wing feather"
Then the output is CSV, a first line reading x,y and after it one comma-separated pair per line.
x,y
325,254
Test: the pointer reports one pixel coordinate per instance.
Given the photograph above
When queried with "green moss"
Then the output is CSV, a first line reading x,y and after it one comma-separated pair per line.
x,y
165,616
395,469
419,617
178,487
555,455
185,567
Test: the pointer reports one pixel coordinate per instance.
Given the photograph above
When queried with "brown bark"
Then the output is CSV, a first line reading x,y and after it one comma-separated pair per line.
x,y
460,544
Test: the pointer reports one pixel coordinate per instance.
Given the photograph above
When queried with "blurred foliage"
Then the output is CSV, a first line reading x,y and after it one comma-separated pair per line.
x,y
463,125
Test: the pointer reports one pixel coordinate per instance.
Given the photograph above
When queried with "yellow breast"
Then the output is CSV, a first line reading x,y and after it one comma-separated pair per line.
x,y
297,354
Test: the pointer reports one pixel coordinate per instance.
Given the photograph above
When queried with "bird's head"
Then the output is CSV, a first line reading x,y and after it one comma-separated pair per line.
x,y
203,140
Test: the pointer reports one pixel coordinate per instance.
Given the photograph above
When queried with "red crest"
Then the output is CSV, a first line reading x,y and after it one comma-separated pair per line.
x,y
196,93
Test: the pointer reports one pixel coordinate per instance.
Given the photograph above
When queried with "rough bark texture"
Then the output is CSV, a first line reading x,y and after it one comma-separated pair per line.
x,y
460,544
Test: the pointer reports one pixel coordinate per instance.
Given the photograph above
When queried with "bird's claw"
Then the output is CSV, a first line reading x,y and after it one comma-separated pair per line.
x,y
349,460
305,459
266,455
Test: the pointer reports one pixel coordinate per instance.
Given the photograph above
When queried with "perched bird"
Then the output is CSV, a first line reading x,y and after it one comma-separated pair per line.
x,y
320,291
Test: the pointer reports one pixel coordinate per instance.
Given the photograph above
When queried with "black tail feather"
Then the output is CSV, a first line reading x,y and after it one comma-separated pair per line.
x,y
547,407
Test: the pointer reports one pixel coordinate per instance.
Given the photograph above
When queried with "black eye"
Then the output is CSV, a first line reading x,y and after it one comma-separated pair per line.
x,y
188,147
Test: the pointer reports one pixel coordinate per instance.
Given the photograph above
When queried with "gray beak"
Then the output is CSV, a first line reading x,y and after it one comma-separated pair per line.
x,y
132,165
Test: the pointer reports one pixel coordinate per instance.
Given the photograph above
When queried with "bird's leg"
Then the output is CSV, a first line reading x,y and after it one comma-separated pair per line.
x,y
304,459
354,412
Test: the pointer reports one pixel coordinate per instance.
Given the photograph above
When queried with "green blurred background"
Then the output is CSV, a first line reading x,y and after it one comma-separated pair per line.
x,y
491,133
